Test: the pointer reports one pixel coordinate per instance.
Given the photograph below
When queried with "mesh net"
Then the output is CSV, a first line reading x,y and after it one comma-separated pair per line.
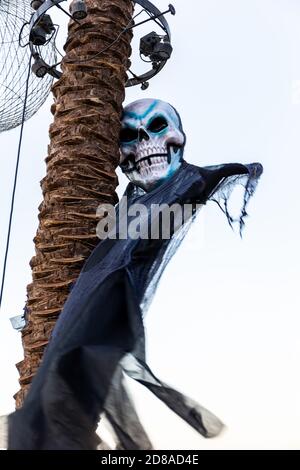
x,y
14,59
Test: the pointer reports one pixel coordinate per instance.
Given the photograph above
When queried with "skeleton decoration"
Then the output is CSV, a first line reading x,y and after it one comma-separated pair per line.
x,y
151,142
100,335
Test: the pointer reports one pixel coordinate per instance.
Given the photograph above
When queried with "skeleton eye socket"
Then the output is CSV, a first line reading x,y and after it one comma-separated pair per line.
x,y
158,124
128,134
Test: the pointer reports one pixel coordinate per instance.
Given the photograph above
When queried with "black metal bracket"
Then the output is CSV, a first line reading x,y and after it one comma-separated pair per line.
x,y
154,15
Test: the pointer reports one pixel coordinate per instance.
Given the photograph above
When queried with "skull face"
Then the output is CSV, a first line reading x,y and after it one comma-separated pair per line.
x,y
151,142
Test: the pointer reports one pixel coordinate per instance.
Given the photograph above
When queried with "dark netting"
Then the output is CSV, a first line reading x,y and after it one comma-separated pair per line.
x,y
14,61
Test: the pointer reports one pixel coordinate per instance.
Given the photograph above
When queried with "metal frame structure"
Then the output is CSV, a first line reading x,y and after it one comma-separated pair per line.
x,y
154,15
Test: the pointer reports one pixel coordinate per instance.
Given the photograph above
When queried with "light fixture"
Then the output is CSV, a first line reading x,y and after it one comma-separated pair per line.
x,y
78,10
47,24
148,42
156,47
44,27
38,36
35,4
162,51
39,67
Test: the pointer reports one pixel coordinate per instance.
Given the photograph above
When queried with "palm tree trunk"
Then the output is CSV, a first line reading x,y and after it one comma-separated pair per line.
x,y
82,157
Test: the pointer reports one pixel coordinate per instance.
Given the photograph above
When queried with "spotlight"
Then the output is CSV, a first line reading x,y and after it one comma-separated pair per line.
x,y
35,4
78,10
162,51
39,67
38,34
152,46
47,24
148,42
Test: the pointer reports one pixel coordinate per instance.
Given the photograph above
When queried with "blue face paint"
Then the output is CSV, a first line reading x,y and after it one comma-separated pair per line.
x,y
136,116
151,142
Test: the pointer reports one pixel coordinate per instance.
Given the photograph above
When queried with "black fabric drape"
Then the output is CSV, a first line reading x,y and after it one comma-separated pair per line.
x,y
100,336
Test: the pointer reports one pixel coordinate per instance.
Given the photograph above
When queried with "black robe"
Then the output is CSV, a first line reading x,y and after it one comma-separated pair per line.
x,y
100,333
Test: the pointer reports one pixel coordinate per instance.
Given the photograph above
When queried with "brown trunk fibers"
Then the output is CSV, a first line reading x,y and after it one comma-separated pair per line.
x,y
82,157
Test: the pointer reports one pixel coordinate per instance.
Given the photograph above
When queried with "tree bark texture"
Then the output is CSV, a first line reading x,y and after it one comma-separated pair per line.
x,y
82,157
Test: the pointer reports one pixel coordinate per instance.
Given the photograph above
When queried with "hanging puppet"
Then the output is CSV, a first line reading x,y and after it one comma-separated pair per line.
x,y
100,333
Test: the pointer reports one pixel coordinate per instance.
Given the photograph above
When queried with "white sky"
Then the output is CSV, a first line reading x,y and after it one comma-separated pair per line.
x,y
224,325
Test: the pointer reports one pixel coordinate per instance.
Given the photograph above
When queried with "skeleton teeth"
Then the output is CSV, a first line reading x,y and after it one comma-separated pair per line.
x,y
155,170
145,160
149,150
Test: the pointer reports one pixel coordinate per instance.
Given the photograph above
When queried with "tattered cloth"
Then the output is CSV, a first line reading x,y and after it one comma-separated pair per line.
x,y
100,333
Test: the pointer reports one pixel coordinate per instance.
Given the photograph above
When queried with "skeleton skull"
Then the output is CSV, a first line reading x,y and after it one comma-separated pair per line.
x,y
151,142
